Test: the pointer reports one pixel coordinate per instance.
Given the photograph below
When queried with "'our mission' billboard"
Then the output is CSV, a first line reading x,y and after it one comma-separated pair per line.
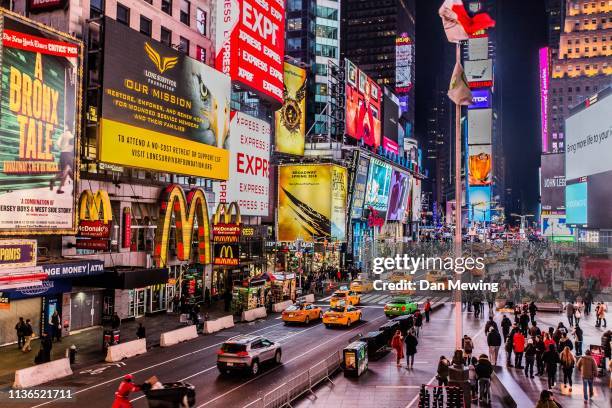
x,y
39,130
162,110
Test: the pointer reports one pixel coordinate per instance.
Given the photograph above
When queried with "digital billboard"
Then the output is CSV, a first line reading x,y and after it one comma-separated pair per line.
x,y
311,202
544,67
249,165
552,182
417,203
480,124
390,127
290,120
359,186
162,110
404,61
379,183
363,104
481,99
40,128
250,44
478,48
480,165
555,226
479,73
398,196
479,203
576,204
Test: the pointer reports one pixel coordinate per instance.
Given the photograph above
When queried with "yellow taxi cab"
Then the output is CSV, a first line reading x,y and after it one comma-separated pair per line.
x,y
439,278
341,315
361,286
301,313
348,296
396,277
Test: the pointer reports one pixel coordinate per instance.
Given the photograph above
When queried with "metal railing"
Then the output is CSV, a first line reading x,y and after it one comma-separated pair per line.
x,y
289,391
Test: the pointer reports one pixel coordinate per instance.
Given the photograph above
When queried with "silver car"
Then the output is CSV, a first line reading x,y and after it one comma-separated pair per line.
x,y
247,353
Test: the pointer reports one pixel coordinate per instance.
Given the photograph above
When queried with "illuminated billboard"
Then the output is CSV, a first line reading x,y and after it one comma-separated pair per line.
x,y
249,165
552,182
359,186
398,196
480,124
576,203
544,67
481,99
478,48
479,73
363,104
162,110
290,120
555,226
390,140
40,128
479,204
379,184
250,44
480,165
417,203
404,62
311,202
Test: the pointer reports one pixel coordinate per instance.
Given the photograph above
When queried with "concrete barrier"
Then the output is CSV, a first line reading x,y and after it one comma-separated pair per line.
x,y
212,326
173,337
279,307
310,298
549,307
42,373
125,350
250,315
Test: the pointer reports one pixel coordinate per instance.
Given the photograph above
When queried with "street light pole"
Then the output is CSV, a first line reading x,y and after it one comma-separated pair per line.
x,y
458,191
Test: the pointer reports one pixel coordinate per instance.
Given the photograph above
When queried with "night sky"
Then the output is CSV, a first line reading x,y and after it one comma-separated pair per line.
x,y
521,31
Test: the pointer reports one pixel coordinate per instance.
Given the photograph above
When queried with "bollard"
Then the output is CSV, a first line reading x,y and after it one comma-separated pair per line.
x,y
72,351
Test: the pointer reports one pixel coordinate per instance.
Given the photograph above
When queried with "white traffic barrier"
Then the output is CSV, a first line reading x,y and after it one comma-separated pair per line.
x,y
310,298
279,307
42,373
173,337
212,326
125,350
250,315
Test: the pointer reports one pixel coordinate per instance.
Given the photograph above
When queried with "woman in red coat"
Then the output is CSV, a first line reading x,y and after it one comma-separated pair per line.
x,y
397,342
122,395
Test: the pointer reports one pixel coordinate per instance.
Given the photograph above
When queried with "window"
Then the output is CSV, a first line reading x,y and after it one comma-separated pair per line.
x,y
586,40
145,26
326,51
185,12
166,6
96,8
166,36
294,5
327,12
201,21
587,88
201,54
586,49
294,24
294,44
184,45
569,42
577,89
123,14
570,88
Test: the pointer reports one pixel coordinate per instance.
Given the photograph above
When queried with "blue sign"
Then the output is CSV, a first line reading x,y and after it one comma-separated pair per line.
x,y
48,288
85,267
481,99
576,203
479,199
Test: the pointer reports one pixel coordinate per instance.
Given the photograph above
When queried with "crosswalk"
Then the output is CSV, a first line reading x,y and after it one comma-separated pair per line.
x,y
377,298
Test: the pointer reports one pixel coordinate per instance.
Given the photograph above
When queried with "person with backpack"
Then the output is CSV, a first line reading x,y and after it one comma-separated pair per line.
x,y
468,347
484,370
568,361
494,342
411,348
530,356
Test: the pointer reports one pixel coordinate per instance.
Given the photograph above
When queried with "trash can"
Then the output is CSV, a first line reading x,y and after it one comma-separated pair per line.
x,y
110,337
388,329
355,358
173,395
375,341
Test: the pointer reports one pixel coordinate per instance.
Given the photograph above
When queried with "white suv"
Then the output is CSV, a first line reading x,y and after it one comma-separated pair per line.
x,y
247,353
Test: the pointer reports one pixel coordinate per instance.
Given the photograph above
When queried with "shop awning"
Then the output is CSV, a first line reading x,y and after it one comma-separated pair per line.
x,y
125,278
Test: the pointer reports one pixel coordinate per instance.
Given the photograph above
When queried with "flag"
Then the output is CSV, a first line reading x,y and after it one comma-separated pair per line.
x,y
459,91
458,25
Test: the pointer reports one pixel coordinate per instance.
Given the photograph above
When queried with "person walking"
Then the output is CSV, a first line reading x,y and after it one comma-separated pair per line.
x,y
19,329
494,342
534,330
577,313
533,310
569,311
418,322
565,342
46,344
397,343
56,324
601,315
484,370
490,323
540,349
588,370
411,348
524,323
442,376
122,395
28,332
551,359
578,337
468,348
506,324
427,310
568,361
547,400
530,356
141,332
518,345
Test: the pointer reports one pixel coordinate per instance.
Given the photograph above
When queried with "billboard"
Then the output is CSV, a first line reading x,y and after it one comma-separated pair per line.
x,y
359,186
479,73
404,61
249,165
479,203
290,120
478,48
552,182
480,123
481,99
40,127
544,68
480,165
555,226
391,114
363,103
379,184
398,196
250,44
311,202
576,203
417,201
162,110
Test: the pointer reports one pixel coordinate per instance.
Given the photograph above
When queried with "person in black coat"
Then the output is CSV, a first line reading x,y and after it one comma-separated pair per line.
x,y
530,356
551,359
490,323
533,309
19,329
115,321
524,323
540,349
141,331
411,348
494,342
506,324
46,344
578,336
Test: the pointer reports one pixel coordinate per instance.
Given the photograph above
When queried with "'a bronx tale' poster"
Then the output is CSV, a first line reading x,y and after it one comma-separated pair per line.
x,y
38,128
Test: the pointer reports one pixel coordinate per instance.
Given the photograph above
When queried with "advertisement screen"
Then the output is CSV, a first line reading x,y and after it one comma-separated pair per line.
x,y
379,184
404,61
391,119
479,204
249,165
480,165
481,99
40,104
416,200
479,73
162,110
555,226
311,202
588,135
480,122
398,196
290,120
250,44
576,204
363,104
478,48
544,68
359,187
552,185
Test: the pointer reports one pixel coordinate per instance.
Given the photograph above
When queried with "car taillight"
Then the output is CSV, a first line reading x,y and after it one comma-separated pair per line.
x,y
219,352
386,307
242,354
403,308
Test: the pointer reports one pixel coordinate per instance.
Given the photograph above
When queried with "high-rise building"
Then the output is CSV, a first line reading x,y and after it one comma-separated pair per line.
x,y
583,66
555,11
